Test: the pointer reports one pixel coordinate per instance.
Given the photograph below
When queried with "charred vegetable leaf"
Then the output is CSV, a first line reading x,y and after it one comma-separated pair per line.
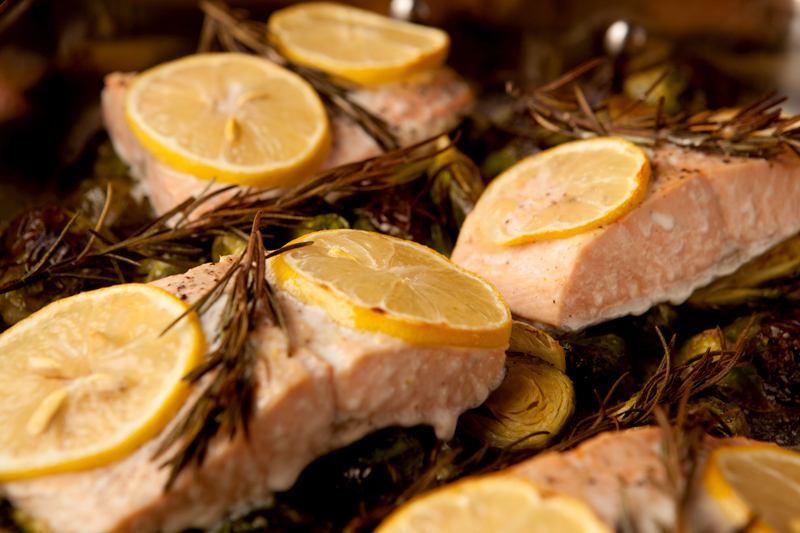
x,y
34,236
777,356
528,410
279,517
369,473
595,364
128,210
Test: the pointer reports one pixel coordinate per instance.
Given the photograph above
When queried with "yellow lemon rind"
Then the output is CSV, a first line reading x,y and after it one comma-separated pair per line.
x,y
370,76
410,516
367,72
732,505
281,174
635,198
414,332
150,429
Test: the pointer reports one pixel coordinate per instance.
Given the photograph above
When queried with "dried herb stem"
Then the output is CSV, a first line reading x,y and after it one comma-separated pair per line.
x,y
225,406
186,243
759,129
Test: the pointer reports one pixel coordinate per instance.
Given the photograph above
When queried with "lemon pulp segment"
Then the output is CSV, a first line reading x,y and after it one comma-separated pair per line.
x,y
89,378
760,481
374,282
235,117
563,191
356,44
490,504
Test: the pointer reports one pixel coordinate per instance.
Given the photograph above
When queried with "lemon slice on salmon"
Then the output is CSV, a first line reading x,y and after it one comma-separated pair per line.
x,y
373,282
572,188
489,504
355,44
238,118
89,378
760,481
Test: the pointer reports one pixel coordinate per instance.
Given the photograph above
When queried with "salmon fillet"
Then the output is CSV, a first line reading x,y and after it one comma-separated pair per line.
x,y
622,475
703,216
336,386
418,108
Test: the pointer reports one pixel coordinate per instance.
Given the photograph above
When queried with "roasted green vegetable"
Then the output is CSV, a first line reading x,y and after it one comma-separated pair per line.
x,y
228,244
742,383
776,347
528,340
531,406
319,223
771,276
732,420
28,240
596,364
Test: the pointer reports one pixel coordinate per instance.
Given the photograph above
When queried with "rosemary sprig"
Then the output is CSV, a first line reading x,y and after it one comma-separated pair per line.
x,y
668,388
237,34
225,406
187,242
565,107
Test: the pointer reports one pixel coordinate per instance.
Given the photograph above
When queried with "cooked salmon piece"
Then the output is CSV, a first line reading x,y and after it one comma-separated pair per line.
x,y
623,477
424,105
704,215
336,385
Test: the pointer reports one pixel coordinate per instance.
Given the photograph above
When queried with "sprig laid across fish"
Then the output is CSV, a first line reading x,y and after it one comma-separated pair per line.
x,y
400,344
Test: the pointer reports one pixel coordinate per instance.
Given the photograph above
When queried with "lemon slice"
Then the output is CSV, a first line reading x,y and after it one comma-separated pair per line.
x,y
563,191
491,504
355,44
374,282
89,378
235,117
760,481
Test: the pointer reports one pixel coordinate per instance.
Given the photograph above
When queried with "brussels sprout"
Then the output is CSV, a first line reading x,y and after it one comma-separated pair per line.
x,y
362,222
440,240
733,420
319,223
228,244
671,86
697,345
501,160
743,382
457,181
769,276
596,363
528,340
531,406
155,269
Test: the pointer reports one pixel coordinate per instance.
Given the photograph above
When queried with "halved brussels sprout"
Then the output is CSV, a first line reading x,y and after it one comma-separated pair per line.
x,y
528,340
531,406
